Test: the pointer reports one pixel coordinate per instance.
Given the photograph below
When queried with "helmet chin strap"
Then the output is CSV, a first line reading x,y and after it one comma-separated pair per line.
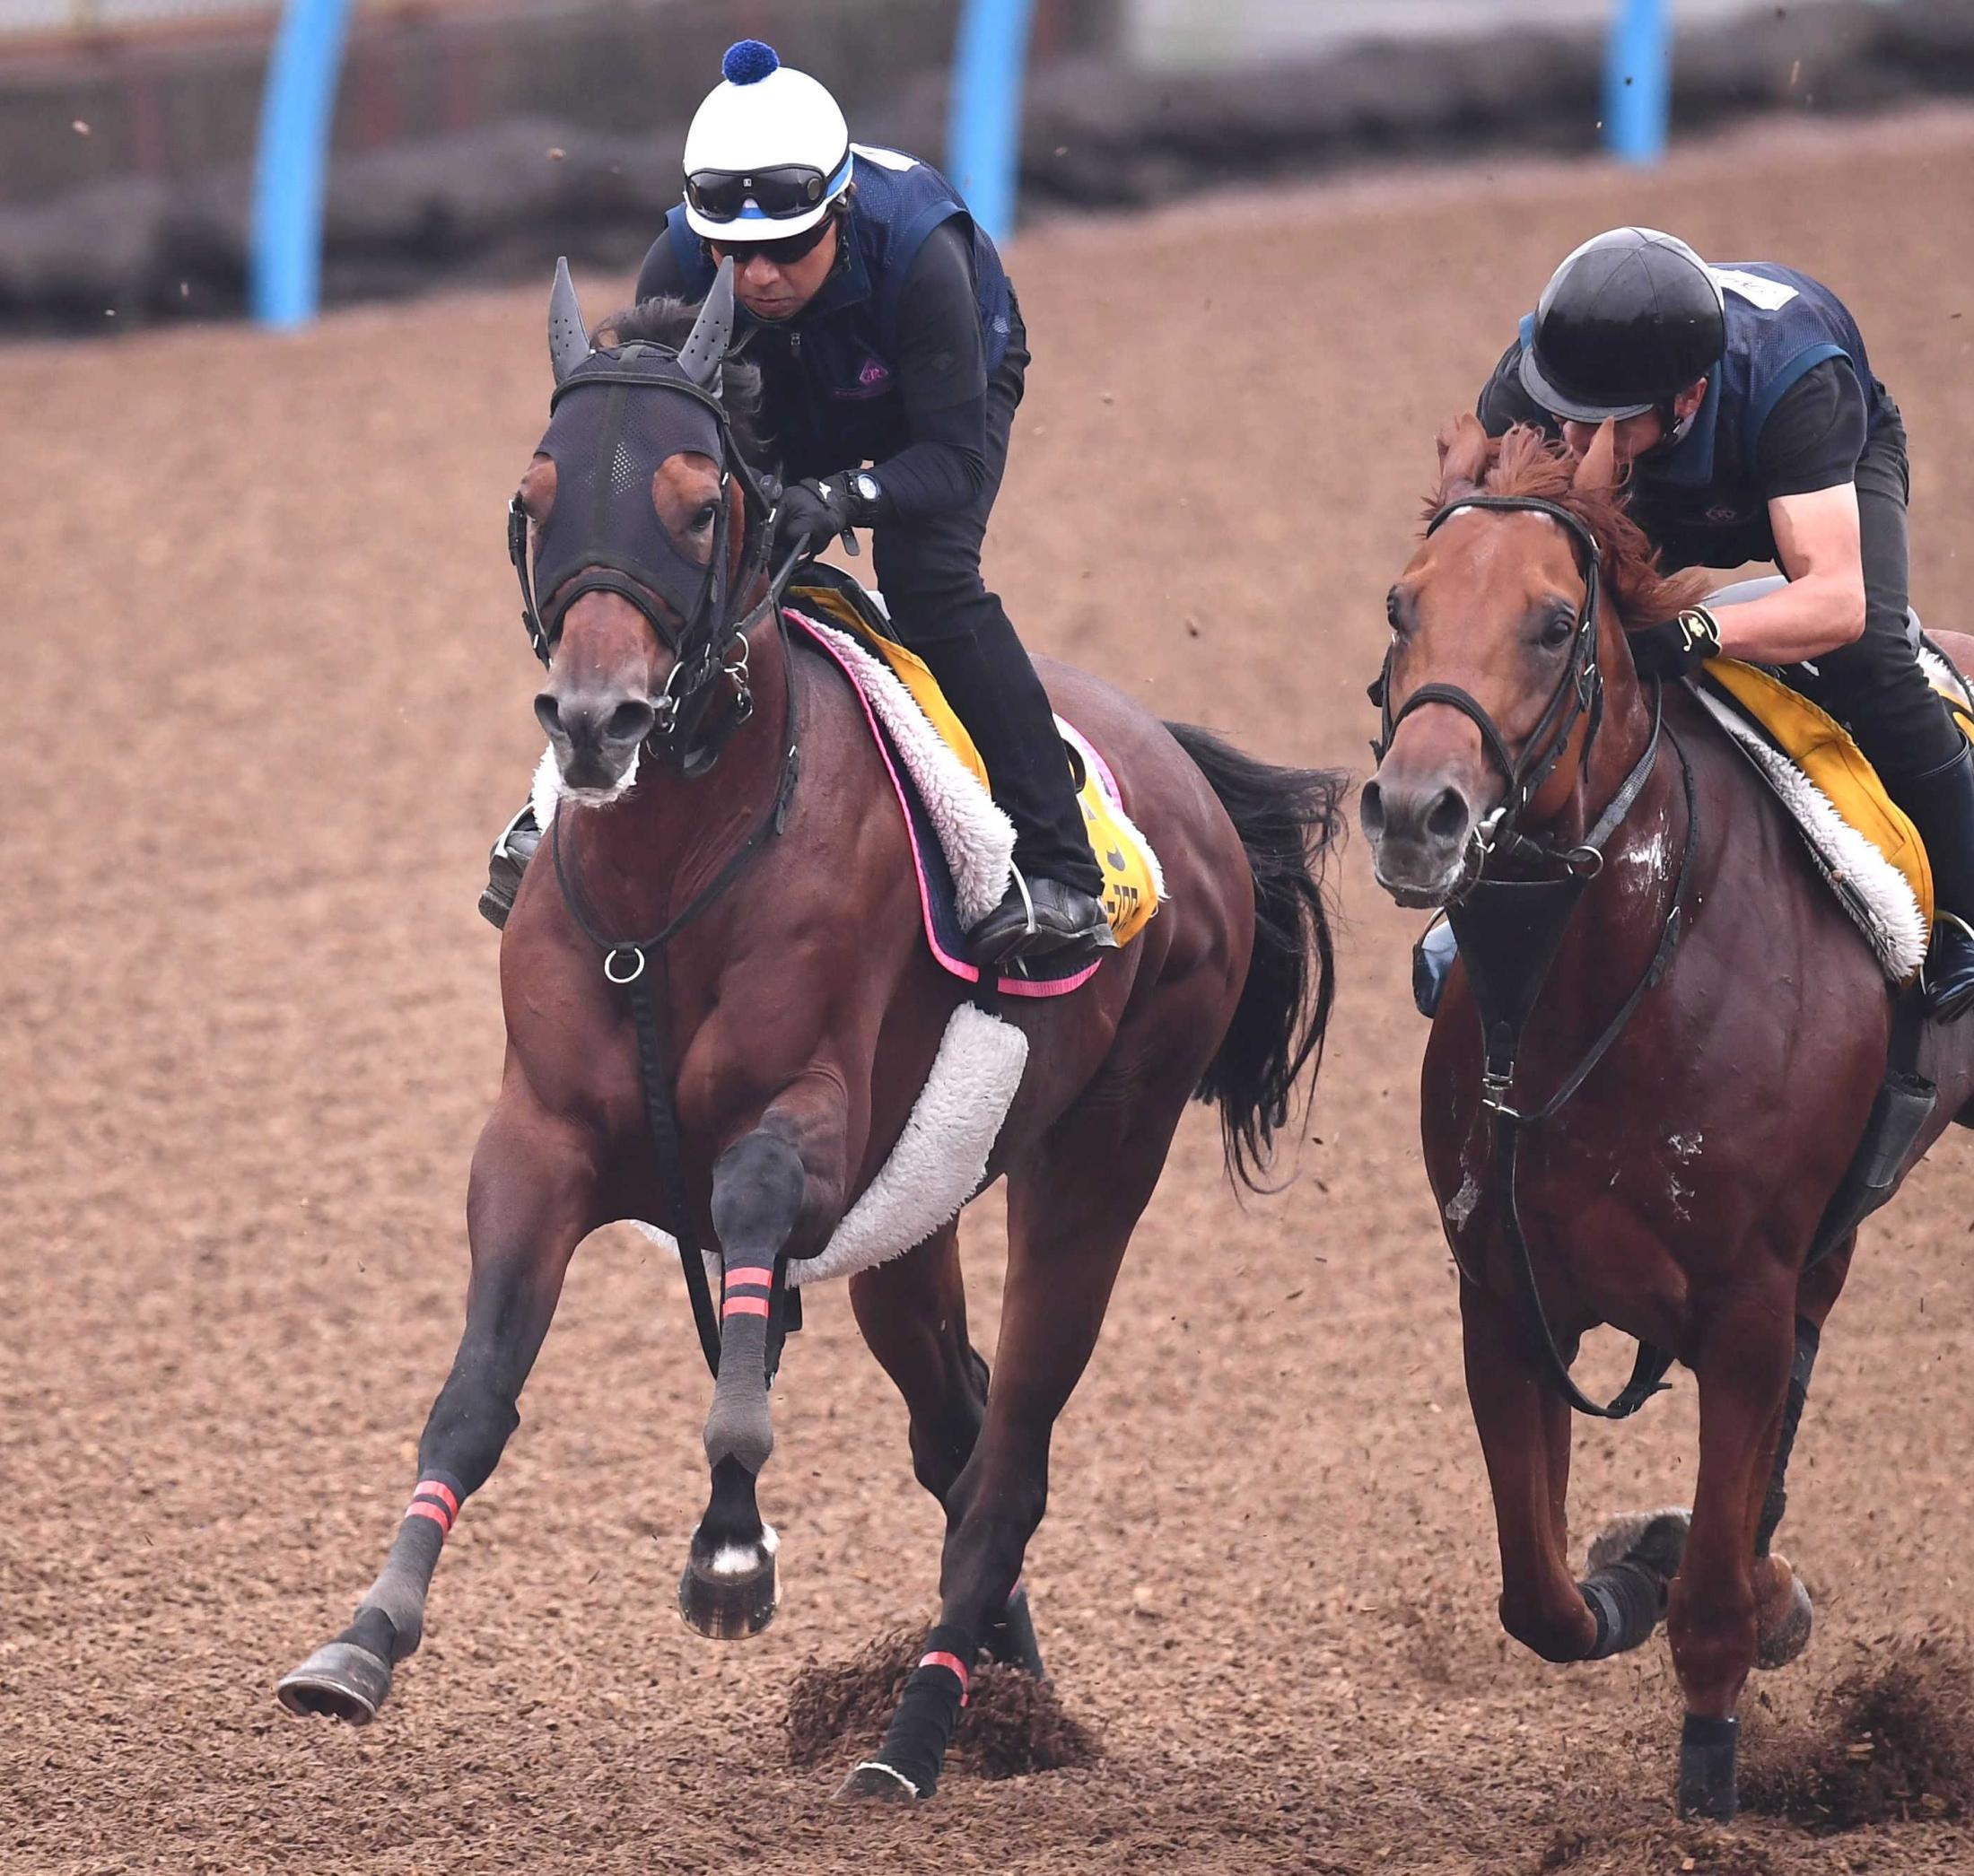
x,y
1673,429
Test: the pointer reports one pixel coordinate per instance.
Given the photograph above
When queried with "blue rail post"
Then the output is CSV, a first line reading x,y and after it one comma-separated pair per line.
x,y
1638,79
983,145
290,167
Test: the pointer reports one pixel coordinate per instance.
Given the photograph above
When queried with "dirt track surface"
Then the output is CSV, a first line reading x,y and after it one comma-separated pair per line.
x,y
267,701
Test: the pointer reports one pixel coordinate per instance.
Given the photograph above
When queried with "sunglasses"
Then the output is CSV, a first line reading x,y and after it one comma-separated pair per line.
x,y
724,195
782,253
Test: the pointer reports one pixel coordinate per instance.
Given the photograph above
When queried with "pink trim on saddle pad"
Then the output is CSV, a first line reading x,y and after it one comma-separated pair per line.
x,y
958,966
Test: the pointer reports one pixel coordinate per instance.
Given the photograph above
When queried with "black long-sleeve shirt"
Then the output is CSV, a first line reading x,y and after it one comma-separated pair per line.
x,y
941,371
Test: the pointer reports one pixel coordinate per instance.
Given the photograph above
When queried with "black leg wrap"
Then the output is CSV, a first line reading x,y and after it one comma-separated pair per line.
x,y
1776,1501
914,1746
1707,1769
1627,1601
372,1631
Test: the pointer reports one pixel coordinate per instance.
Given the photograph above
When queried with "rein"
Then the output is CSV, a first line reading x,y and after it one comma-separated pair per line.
x,y
627,963
1510,931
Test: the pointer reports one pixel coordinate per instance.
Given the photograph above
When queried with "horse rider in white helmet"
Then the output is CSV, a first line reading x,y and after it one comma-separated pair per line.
x,y
888,335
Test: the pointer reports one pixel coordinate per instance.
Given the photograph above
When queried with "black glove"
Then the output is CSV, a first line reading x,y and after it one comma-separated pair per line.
x,y
813,513
1677,647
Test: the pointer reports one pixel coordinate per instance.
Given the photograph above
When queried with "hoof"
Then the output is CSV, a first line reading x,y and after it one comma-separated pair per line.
x,y
339,1680
874,1779
1778,1643
1707,1783
733,1592
1654,1539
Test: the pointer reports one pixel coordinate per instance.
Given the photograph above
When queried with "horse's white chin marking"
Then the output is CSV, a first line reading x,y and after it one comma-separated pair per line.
x,y
550,790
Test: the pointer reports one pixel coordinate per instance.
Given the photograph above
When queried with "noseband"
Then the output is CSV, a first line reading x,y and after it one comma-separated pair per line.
x,y
1579,691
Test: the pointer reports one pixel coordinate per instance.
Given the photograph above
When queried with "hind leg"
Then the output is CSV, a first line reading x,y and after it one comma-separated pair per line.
x,y
1783,1613
912,1314
1071,1208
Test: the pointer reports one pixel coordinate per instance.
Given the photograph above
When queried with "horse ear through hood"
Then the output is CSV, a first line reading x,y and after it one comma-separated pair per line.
x,y
568,336
705,352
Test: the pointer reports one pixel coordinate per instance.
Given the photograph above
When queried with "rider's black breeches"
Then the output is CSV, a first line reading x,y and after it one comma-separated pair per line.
x,y
1874,685
929,570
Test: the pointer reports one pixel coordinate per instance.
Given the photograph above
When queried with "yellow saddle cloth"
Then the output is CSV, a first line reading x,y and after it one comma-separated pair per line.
x,y
1823,748
1130,869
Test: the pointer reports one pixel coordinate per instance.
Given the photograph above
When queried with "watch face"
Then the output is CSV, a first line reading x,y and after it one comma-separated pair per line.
x,y
867,487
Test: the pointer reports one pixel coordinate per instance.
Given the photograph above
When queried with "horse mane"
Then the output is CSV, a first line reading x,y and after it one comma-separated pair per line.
x,y
664,320
1526,462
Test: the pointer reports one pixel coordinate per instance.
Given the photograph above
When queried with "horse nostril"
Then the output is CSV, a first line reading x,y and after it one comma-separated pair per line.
x,y
629,722
1371,809
1446,819
548,712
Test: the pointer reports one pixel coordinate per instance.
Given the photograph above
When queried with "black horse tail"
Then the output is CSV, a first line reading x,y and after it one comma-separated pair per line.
x,y
1287,820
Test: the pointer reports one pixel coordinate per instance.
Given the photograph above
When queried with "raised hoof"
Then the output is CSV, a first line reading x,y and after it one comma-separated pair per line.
x,y
1656,1540
1777,1644
732,1593
339,1680
874,1779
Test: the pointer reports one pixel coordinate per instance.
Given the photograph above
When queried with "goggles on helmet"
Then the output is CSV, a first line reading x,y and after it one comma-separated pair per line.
x,y
774,195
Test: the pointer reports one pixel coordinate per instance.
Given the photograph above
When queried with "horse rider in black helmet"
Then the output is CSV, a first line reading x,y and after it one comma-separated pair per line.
x,y
1745,406
888,334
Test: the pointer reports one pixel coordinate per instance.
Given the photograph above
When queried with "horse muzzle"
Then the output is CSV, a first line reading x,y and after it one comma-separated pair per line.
x,y
1426,849
595,735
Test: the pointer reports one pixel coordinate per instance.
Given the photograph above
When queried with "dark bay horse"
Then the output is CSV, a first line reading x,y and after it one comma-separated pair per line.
x,y
1662,1148
720,789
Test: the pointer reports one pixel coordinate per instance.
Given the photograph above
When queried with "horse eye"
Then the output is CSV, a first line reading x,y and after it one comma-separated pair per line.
x,y
1390,611
1557,631
704,518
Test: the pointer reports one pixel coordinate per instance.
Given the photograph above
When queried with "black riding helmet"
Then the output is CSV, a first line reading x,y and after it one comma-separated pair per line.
x,y
1625,324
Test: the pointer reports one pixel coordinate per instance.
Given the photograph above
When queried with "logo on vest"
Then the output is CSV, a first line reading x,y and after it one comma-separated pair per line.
x,y
875,374
1721,514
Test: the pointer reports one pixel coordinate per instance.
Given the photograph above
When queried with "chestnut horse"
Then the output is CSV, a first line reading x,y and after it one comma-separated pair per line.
x,y
1701,1061
795,1013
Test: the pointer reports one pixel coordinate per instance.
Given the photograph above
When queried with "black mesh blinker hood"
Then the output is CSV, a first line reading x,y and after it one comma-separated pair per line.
x,y
613,421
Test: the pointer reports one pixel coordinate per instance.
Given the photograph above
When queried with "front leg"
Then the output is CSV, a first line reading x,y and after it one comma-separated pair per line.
x,y
1523,1426
1744,1370
783,1177
531,1201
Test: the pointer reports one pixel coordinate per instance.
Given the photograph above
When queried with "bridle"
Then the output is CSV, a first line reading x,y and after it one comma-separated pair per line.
x,y
1578,692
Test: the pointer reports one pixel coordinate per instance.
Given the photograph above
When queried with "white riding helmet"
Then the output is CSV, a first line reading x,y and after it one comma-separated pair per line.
x,y
768,153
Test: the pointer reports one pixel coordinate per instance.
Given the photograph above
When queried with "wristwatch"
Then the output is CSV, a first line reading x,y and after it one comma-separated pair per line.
x,y
864,486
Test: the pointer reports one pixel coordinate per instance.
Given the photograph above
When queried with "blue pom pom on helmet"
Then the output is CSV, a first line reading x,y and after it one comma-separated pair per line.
x,y
748,62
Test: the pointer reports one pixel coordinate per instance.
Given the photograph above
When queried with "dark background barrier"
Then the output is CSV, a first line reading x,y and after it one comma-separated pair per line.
x,y
478,142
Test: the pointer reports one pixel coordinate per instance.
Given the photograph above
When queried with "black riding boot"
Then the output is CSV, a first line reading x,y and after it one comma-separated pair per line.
x,y
506,864
1942,805
1054,904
